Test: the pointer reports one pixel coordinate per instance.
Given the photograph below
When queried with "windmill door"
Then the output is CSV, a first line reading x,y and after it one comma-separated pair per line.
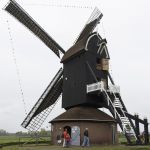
x,y
75,136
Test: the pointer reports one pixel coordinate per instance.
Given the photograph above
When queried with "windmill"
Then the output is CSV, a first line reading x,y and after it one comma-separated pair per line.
x,y
83,80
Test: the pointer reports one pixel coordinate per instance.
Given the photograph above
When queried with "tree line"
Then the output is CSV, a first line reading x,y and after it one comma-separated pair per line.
x,y
42,132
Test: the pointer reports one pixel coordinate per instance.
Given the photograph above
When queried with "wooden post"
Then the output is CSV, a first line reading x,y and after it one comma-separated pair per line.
x,y
137,129
146,134
19,141
113,134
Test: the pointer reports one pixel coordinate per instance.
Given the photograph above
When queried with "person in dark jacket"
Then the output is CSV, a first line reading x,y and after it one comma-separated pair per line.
x,y
86,141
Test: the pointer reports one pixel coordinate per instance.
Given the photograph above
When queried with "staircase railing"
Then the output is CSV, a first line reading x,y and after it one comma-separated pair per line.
x,y
122,119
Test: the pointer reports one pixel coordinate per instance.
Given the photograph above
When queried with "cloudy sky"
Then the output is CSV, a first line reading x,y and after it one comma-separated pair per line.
x,y
125,25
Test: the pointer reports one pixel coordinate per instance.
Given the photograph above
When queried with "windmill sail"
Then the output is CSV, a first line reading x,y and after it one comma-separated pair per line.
x,y
44,105
15,10
90,25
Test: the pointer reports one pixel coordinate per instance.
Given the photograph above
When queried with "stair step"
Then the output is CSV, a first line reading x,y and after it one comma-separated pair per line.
x,y
118,112
117,103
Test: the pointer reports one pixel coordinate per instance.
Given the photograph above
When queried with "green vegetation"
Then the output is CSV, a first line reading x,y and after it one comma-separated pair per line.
x,y
8,139
121,138
19,140
20,137
16,141
33,147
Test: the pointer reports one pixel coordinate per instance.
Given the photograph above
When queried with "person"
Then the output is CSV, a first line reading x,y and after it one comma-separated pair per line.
x,y
58,138
64,137
67,138
143,137
86,141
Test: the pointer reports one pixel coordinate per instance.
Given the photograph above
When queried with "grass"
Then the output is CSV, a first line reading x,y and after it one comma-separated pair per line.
x,y
7,139
48,147
17,139
12,140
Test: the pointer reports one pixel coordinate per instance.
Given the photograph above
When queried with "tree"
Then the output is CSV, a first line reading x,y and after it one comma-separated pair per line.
x,y
43,132
3,132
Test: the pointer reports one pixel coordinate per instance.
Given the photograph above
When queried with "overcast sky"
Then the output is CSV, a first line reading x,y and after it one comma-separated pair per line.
x,y
125,25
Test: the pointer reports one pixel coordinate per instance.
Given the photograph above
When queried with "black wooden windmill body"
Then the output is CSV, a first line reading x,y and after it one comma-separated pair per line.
x,y
83,81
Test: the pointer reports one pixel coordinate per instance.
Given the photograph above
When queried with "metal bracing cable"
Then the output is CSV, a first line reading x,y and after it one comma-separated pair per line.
x,y
59,5
103,29
16,65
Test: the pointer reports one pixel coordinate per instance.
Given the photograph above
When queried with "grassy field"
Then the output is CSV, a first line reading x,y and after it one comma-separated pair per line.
x,y
15,139
11,140
33,147
8,140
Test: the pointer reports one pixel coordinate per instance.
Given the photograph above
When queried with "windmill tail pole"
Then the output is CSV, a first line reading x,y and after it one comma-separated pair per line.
x,y
146,133
137,128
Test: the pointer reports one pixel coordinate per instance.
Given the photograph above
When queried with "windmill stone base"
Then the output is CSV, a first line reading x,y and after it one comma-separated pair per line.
x,y
102,127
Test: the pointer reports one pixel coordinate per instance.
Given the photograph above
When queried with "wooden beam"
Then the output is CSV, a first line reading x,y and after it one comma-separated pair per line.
x,y
146,134
137,128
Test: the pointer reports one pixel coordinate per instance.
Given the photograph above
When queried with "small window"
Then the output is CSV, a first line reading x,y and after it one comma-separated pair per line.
x,y
102,64
105,64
